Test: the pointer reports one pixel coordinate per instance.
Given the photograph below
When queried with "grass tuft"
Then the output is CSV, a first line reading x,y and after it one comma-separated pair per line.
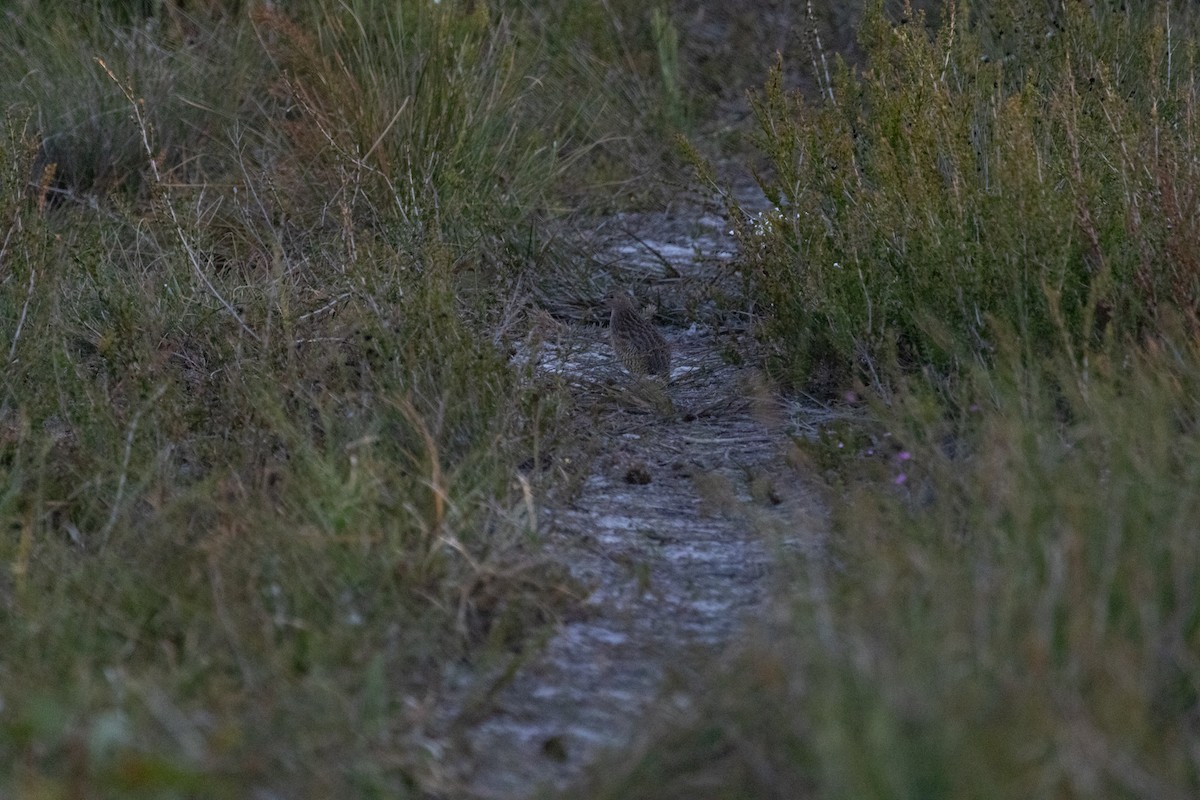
x,y
954,188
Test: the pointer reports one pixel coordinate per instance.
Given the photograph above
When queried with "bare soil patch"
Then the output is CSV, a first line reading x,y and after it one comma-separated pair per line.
x,y
676,528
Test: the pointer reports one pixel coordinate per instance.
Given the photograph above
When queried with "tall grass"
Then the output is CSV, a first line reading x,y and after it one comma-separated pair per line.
x,y
1023,621
259,448
955,186
986,231
190,81
432,108
622,134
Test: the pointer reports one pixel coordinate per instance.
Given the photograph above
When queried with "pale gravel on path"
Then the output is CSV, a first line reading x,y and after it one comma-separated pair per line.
x,y
675,569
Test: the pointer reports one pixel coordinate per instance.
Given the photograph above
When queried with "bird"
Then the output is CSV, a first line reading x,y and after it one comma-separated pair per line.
x,y
638,345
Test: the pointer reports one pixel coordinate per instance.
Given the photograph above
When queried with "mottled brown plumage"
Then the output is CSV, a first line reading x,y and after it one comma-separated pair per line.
x,y
639,346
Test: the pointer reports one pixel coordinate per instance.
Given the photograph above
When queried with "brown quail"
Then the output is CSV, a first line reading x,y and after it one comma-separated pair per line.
x,y
639,346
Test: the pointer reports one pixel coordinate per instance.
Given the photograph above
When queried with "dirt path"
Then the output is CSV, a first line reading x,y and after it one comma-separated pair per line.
x,y
676,527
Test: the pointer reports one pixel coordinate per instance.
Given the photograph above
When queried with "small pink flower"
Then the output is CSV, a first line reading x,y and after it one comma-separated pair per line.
x,y
900,479
903,455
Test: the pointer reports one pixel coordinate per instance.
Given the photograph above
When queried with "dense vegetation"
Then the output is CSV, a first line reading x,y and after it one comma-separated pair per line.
x,y
990,232
260,439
